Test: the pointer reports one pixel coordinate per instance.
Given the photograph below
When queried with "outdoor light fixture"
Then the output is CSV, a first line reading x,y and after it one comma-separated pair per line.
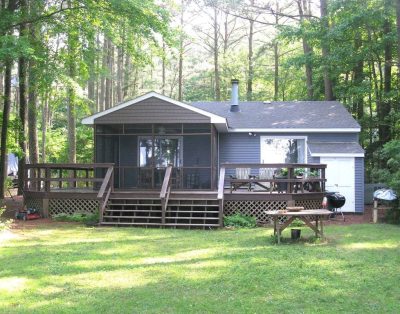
x,y
252,134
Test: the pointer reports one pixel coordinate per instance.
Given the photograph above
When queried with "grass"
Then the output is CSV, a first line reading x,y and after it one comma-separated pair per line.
x,y
68,268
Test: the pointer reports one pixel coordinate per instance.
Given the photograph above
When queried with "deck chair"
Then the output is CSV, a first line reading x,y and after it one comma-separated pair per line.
x,y
267,174
241,174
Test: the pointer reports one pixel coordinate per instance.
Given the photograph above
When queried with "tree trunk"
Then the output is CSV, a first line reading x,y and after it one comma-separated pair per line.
x,y
108,95
250,59
325,51
358,79
120,74
8,63
127,74
32,115
164,60
72,40
398,41
307,52
45,109
4,126
22,83
384,125
216,61
103,80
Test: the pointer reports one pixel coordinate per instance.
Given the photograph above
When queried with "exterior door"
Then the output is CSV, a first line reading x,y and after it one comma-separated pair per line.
x,y
155,154
340,175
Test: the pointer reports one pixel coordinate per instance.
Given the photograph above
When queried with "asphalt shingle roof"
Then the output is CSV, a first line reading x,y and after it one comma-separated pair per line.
x,y
283,115
335,148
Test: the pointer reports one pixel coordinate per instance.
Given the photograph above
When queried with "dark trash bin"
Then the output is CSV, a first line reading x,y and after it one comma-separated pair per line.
x,y
295,234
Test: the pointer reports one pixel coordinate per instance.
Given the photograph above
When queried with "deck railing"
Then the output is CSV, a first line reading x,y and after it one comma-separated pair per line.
x,y
105,191
58,177
165,191
221,183
269,178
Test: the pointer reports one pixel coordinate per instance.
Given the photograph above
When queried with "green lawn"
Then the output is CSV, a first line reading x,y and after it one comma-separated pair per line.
x,y
73,269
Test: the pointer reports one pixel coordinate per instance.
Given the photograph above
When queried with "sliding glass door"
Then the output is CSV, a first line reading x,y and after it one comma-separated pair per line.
x,y
155,154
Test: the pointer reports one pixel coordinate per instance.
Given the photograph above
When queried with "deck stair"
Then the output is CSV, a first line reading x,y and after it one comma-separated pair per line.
x,y
184,209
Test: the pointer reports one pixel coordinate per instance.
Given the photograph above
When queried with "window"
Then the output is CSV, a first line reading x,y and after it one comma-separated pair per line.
x,y
283,150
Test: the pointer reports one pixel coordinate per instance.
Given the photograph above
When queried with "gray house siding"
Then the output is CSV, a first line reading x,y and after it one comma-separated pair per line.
x,y
359,184
240,147
153,110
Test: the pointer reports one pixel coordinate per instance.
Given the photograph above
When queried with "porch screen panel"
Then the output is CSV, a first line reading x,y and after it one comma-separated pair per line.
x,y
128,161
197,169
107,151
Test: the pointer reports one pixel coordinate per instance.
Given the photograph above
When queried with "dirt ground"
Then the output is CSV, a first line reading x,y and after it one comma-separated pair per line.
x,y
13,205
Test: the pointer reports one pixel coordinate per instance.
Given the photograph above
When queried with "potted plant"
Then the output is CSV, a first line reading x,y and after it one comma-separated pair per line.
x,y
295,233
299,173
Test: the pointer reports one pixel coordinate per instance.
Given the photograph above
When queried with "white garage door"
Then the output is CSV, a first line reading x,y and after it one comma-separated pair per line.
x,y
340,178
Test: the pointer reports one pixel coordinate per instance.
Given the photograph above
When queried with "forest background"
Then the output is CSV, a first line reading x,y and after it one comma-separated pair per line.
x,y
62,60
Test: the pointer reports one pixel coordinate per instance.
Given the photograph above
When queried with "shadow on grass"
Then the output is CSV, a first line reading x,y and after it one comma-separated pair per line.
x,y
135,270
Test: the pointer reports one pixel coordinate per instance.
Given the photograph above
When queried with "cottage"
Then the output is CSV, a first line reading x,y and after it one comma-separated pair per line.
x,y
175,163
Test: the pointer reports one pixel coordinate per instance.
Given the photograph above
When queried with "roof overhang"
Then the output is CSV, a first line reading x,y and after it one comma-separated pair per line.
x,y
219,122
296,130
337,155
335,149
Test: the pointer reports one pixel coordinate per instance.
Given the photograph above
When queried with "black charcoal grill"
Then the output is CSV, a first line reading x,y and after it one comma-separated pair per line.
x,y
335,202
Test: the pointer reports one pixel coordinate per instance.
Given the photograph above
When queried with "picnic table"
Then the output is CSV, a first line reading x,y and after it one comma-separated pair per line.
x,y
304,215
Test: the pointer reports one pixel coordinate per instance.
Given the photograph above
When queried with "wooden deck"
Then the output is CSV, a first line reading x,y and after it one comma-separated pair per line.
x,y
70,188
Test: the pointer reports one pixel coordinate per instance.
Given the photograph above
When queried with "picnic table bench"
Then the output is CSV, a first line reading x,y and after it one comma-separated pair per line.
x,y
304,215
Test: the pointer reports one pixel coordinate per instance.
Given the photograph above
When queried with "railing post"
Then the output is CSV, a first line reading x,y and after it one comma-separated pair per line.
x,y
290,177
47,180
165,191
221,183
74,177
60,177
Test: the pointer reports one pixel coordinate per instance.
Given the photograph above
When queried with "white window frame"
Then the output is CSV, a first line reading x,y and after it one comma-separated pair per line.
x,y
285,137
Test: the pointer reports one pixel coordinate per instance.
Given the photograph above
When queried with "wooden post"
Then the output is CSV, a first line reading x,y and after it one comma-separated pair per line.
x,y
38,182
290,184
46,207
87,177
60,177
375,212
47,180
74,175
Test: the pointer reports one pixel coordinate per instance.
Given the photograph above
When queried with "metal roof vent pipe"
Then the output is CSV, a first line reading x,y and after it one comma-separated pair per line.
x,y
235,96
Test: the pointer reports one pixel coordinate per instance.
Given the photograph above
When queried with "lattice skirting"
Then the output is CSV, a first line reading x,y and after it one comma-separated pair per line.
x,y
71,206
309,204
34,203
254,208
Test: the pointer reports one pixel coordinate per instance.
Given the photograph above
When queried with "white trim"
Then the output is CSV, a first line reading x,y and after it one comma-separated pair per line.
x,y
292,130
337,155
214,118
295,137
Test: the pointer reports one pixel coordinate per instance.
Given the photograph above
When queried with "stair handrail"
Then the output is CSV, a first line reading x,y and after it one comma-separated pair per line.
x,y
107,185
220,197
165,191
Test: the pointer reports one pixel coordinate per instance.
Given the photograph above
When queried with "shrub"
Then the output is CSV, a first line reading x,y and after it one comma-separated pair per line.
x,y
297,223
86,218
239,220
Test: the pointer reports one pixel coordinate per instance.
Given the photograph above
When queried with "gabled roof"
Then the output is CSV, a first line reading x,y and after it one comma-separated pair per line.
x,y
215,119
337,149
284,116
